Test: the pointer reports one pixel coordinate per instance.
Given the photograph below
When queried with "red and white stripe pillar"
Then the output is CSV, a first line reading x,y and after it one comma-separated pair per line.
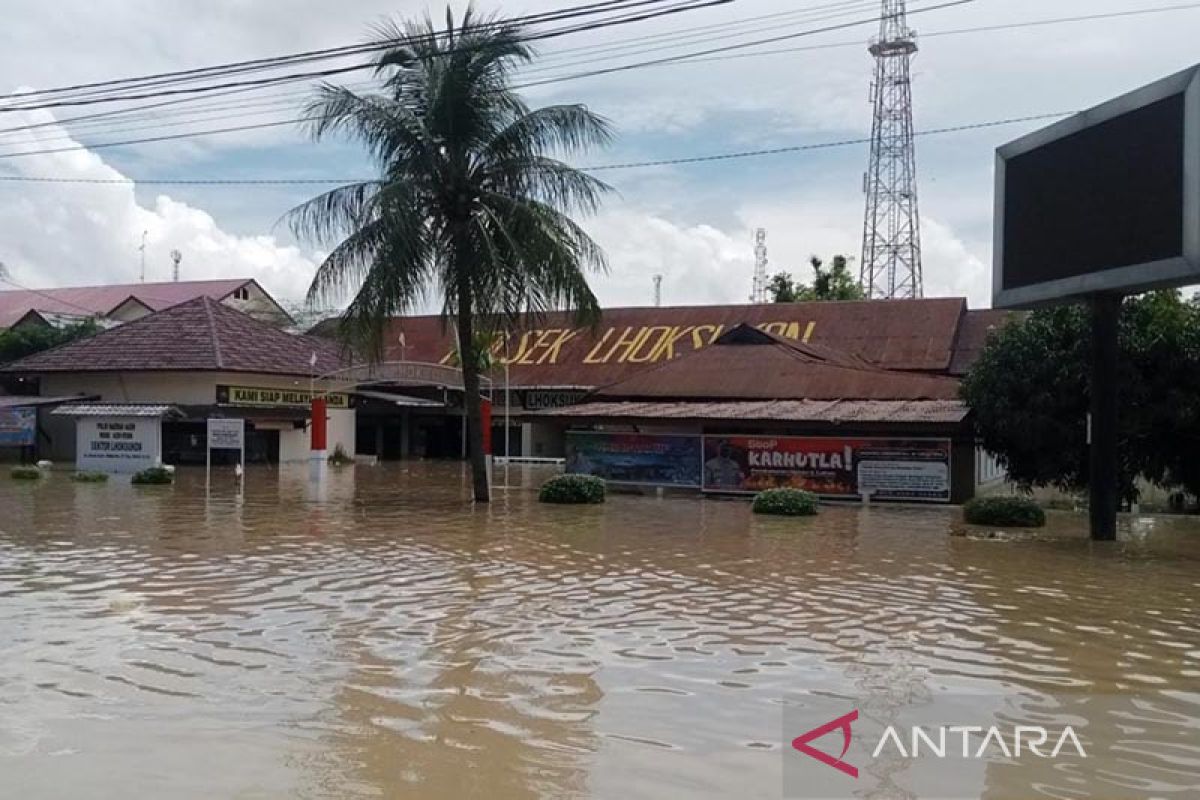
x,y
319,430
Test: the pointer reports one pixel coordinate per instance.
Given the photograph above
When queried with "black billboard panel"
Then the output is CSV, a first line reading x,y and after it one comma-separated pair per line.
x,y
1106,201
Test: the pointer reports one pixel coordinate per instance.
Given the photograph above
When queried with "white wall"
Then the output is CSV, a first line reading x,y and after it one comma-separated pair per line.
x,y
184,388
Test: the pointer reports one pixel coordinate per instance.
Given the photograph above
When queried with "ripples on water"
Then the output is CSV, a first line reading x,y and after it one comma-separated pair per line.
x,y
383,638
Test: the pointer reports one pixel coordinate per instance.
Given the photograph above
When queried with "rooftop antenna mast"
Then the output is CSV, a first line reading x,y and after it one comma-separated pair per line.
x,y
142,250
891,256
176,257
758,294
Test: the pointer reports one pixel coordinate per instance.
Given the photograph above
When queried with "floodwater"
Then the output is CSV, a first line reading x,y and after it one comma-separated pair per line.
x,y
379,637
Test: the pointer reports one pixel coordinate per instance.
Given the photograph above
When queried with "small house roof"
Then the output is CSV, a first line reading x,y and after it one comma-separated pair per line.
x,y
201,334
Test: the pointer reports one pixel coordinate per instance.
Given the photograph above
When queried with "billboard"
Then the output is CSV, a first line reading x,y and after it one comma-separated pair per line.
x,y
18,426
634,458
118,444
890,469
1105,201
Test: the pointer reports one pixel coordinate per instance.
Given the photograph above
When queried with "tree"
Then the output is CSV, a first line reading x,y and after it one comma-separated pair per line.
x,y
835,283
25,341
471,206
1030,394
782,288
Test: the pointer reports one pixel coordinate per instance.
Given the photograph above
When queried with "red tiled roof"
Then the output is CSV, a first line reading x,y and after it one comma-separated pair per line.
x,y
200,334
748,364
916,335
93,300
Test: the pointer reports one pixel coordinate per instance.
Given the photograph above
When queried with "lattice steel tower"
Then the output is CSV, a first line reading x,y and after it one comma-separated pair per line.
x,y
891,259
758,293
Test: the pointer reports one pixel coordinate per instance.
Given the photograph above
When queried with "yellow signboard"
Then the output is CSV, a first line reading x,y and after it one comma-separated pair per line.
x,y
262,396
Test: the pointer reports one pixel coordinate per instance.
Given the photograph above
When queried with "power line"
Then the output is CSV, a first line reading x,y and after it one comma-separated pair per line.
x,y
140,112
332,71
623,68
594,168
607,6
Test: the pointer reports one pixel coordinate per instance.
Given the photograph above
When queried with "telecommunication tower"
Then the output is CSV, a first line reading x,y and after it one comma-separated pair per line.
x,y
758,294
658,290
891,258
176,257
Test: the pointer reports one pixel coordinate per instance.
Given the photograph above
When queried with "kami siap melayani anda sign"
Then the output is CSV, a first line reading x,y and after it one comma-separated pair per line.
x,y
269,397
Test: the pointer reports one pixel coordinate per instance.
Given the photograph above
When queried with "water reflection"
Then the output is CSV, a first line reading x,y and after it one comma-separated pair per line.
x,y
382,637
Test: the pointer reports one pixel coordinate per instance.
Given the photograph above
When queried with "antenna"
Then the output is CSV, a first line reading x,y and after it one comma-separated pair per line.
x,y
758,294
891,256
176,257
142,250
658,290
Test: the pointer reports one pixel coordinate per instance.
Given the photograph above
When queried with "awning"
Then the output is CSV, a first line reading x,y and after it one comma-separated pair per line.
x,y
29,401
116,410
832,411
400,399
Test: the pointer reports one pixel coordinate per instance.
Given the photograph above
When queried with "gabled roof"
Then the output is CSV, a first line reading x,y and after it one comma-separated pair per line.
x,y
99,300
198,335
749,364
556,350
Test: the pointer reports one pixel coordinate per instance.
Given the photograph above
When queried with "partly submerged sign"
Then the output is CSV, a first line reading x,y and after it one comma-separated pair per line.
x,y
18,426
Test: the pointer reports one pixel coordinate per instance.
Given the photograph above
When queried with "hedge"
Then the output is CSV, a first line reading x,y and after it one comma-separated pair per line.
x,y
573,490
25,473
89,477
153,476
1006,512
786,503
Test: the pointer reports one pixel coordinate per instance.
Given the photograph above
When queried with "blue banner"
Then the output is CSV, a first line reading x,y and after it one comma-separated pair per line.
x,y
634,458
18,427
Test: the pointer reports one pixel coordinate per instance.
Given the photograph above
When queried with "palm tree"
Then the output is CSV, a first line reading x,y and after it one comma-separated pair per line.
x,y
471,207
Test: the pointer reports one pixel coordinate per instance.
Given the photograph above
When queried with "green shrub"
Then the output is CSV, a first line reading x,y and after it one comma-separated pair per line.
x,y
339,458
1006,512
25,473
573,490
153,476
786,503
89,477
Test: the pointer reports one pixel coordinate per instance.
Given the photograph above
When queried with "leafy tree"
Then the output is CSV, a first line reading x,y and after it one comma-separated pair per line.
x,y
1030,393
835,283
25,341
471,205
782,288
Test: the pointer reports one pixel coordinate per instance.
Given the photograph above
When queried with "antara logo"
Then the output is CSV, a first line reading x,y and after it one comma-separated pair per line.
x,y
843,724
936,742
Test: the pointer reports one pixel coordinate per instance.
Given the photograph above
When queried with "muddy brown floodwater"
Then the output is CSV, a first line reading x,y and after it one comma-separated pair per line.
x,y
382,638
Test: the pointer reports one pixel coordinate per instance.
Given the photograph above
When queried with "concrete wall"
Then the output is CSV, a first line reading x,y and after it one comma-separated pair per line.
x,y
182,388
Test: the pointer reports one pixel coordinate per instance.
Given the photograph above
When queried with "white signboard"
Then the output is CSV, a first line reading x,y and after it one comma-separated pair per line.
x,y
118,444
226,434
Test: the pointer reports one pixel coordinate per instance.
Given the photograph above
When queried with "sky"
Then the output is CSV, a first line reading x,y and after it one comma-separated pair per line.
x,y
693,224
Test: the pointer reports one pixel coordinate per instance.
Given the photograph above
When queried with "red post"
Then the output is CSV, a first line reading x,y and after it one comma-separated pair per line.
x,y
485,421
320,426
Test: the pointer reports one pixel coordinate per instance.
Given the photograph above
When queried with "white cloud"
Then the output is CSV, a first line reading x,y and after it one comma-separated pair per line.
x,y
72,234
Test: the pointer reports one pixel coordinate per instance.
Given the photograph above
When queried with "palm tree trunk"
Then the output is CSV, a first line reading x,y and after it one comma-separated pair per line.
x,y
469,361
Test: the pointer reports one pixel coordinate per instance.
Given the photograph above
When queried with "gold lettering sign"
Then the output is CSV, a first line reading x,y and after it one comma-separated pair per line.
x,y
647,344
259,396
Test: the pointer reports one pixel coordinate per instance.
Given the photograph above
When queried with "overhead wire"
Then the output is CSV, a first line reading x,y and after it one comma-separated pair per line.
x,y
621,68
700,159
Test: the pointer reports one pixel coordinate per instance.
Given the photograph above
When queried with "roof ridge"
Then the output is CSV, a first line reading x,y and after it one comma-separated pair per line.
x,y
212,330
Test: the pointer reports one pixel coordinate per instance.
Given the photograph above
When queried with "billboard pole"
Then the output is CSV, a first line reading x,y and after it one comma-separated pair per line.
x,y
1103,479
